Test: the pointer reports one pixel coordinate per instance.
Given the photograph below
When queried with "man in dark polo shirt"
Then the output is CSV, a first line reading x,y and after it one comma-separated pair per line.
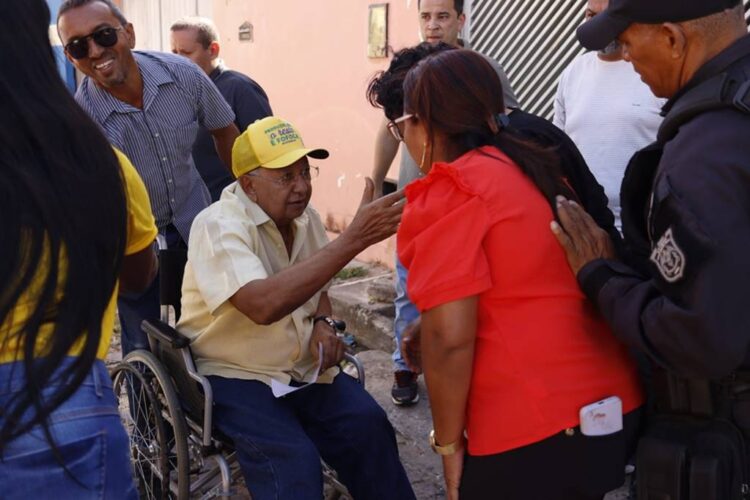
x,y
197,39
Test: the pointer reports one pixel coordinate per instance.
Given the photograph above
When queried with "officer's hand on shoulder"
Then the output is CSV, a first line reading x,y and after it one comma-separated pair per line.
x,y
580,237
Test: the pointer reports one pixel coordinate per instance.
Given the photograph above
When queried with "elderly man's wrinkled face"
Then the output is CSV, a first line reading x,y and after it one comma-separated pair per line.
x,y
282,193
108,66
656,55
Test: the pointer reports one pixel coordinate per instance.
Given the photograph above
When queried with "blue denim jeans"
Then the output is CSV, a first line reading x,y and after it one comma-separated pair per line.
x,y
406,312
132,310
90,440
280,441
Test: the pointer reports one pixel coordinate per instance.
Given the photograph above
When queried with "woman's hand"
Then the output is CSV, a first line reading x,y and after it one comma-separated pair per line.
x,y
448,335
411,350
453,467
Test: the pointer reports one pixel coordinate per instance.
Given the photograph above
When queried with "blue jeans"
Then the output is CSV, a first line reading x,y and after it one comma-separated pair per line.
x,y
406,312
90,440
134,308
280,441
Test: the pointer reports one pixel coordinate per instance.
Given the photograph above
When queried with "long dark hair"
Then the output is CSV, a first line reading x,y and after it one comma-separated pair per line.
x,y
458,93
63,227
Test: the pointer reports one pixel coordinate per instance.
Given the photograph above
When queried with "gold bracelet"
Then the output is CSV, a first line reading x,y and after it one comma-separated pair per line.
x,y
448,449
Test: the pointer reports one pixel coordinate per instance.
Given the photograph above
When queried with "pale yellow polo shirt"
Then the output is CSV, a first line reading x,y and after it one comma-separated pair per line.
x,y
232,243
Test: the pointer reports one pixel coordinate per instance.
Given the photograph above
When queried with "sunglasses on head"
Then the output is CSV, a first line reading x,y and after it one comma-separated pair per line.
x,y
103,37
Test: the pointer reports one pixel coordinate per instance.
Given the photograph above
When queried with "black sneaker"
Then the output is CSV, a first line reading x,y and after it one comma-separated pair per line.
x,y
404,390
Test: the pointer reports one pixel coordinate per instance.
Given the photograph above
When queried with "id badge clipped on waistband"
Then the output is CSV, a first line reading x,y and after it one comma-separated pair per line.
x,y
602,417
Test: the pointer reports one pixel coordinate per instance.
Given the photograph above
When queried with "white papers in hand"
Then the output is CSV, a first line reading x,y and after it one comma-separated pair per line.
x,y
279,390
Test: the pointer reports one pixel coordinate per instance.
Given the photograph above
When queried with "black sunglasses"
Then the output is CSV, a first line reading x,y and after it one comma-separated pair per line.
x,y
104,37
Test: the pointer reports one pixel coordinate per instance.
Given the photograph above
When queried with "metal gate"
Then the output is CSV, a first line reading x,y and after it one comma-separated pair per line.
x,y
534,40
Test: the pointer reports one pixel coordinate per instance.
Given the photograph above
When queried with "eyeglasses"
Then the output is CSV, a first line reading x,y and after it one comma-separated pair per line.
x,y
393,126
286,180
103,37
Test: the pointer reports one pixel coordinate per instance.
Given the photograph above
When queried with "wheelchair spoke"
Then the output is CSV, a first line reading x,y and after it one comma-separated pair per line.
x,y
140,413
152,415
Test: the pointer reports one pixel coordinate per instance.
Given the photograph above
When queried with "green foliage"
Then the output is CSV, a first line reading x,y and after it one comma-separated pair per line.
x,y
351,272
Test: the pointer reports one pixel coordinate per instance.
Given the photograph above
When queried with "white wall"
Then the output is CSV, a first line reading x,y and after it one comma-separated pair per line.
x,y
152,19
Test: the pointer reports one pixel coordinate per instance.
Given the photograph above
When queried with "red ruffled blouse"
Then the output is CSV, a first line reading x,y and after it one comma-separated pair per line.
x,y
479,226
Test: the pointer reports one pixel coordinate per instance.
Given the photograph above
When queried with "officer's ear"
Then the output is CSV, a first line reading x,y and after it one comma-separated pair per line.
x,y
676,38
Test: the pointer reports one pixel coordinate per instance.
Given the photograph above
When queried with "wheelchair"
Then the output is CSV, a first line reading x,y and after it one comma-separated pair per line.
x,y
166,407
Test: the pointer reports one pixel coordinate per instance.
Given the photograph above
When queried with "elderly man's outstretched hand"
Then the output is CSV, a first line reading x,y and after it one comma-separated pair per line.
x,y
376,220
579,235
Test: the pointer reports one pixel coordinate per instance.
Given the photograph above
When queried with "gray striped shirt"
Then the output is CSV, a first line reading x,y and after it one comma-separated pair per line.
x,y
158,139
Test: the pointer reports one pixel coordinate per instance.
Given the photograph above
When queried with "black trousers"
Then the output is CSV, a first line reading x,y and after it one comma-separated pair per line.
x,y
561,467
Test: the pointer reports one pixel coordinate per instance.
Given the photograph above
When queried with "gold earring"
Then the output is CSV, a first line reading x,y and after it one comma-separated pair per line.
x,y
424,153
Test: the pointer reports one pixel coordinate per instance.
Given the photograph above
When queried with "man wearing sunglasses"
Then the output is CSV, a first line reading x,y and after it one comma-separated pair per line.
x,y
150,106
255,304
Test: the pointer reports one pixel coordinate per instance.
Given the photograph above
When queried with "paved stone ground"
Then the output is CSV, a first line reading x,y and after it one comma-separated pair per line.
x,y
364,301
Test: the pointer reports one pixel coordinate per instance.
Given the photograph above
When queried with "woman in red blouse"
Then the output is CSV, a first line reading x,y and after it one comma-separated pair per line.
x,y
511,349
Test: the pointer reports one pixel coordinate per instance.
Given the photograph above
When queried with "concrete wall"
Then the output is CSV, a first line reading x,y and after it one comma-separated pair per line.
x,y
311,58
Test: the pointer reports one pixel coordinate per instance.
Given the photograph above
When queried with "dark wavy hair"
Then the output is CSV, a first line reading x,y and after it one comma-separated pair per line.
x,y
458,93
386,89
64,220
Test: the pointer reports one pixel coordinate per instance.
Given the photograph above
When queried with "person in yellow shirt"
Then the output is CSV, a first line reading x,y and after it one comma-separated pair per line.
x,y
255,304
76,223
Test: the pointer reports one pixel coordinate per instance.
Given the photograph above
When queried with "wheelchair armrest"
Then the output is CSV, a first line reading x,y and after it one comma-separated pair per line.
x,y
165,333
358,366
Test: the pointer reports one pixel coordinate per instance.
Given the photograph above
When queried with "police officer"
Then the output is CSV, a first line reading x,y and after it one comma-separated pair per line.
x,y
681,295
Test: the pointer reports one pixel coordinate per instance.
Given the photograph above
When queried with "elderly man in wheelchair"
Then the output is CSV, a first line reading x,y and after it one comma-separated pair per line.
x,y
255,307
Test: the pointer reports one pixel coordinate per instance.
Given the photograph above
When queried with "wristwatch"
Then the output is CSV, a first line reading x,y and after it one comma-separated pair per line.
x,y
329,320
448,449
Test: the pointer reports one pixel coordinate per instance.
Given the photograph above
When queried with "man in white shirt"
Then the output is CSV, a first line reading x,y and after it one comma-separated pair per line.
x,y
607,110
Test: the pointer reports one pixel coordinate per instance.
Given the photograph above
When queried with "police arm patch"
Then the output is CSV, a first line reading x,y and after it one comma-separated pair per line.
x,y
669,257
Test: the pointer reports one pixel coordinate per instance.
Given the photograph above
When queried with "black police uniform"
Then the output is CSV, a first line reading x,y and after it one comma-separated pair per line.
x,y
682,296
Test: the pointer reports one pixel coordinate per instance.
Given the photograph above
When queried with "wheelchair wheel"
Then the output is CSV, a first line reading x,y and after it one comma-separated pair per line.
x,y
152,415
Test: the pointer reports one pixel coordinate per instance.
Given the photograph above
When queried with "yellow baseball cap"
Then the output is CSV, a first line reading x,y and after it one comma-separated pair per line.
x,y
270,143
